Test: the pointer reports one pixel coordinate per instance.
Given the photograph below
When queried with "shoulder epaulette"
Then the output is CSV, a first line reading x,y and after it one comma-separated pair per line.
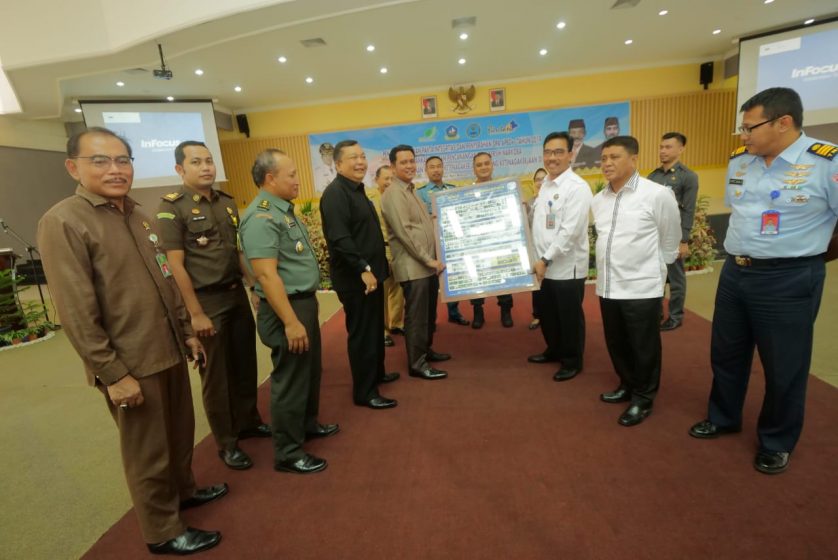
x,y
738,152
222,193
821,149
171,197
265,204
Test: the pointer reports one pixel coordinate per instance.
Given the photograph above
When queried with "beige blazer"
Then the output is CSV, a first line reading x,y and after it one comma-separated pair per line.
x,y
411,232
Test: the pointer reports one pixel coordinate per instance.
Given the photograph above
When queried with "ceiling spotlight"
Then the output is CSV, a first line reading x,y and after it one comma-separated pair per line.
x,y
461,61
199,72
767,1
663,12
628,41
170,98
809,21
237,89
309,80
120,84
716,31
77,110
561,25
383,70
370,48
282,60
463,36
542,52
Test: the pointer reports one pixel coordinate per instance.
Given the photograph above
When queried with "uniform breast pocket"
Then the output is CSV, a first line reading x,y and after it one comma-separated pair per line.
x,y
202,234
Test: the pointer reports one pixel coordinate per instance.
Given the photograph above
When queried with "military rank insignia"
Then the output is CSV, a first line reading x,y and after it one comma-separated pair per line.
x,y
738,152
171,197
264,204
826,151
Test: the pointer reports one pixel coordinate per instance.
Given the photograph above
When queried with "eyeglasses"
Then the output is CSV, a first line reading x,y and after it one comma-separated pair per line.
x,y
746,130
104,162
559,152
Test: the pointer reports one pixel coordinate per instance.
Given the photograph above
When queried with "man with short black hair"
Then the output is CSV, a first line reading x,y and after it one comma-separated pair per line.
x,y
782,188
637,226
199,232
684,184
584,156
415,263
434,169
119,306
358,265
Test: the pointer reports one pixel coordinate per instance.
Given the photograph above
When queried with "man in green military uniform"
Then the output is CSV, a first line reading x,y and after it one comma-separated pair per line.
x,y
199,228
278,251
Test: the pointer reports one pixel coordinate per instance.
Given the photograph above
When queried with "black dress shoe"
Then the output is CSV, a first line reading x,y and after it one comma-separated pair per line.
x,y
397,330
708,430
389,377
479,320
323,430
540,359
378,403
566,374
772,462
189,542
635,414
616,396
459,321
388,341
432,356
236,459
205,495
262,430
430,374
506,318
307,464
670,324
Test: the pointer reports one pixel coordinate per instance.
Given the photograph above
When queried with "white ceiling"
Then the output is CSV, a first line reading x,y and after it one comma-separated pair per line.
x,y
414,39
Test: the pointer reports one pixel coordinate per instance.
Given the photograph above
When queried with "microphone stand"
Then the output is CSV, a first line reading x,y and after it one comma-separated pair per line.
x,y
31,250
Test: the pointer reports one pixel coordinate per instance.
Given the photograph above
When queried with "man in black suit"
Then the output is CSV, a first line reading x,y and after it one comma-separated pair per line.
x,y
583,155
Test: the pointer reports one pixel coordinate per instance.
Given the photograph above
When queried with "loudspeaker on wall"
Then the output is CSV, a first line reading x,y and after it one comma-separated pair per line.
x,y
705,75
244,127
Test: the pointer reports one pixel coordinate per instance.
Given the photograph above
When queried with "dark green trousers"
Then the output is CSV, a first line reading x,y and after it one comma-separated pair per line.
x,y
295,378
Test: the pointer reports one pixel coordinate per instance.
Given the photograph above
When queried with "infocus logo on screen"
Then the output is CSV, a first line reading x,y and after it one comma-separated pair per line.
x,y
155,143
814,70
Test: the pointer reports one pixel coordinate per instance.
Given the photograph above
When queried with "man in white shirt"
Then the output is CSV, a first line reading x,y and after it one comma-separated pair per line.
x,y
638,227
560,234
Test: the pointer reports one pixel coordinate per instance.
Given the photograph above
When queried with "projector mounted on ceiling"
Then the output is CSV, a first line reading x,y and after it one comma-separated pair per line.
x,y
162,73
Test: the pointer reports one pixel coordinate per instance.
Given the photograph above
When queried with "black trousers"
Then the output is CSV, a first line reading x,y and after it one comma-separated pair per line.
x,y
773,309
420,297
677,289
364,317
563,320
633,338
295,378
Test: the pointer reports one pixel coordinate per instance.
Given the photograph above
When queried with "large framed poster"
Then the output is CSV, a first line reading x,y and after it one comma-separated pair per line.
x,y
484,239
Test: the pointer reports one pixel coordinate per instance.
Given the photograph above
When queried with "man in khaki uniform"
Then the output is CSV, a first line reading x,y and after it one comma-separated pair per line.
x,y
415,264
113,290
199,232
278,250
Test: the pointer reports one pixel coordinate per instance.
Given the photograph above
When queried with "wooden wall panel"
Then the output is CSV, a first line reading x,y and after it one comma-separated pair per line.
x,y
238,156
706,118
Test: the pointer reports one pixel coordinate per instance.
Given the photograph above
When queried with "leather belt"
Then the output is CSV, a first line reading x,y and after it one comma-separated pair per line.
x,y
302,295
217,288
751,262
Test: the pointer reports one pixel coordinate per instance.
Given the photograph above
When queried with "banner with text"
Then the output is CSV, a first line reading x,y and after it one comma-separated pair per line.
x,y
513,139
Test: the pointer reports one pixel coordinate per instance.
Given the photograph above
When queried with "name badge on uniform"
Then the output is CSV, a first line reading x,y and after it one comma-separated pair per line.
x,y
770,223
551,221
163,263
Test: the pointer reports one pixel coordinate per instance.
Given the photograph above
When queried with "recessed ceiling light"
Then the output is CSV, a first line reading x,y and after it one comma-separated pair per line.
x,y
282,60
663,12
767,1
199,72
170,98
237,89
370,48
463,36
561,25
383,70
461,61
542,52
309,80
77,110
120,84
809,21
628,41
716,31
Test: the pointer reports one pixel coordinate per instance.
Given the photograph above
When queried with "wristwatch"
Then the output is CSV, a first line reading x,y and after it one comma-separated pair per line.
x,y
546,261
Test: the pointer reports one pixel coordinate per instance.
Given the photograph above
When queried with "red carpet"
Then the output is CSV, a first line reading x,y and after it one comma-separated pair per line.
x,y
499,461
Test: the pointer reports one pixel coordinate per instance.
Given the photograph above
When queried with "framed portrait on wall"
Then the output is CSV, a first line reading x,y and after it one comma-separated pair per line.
x,y
497,99
429,107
